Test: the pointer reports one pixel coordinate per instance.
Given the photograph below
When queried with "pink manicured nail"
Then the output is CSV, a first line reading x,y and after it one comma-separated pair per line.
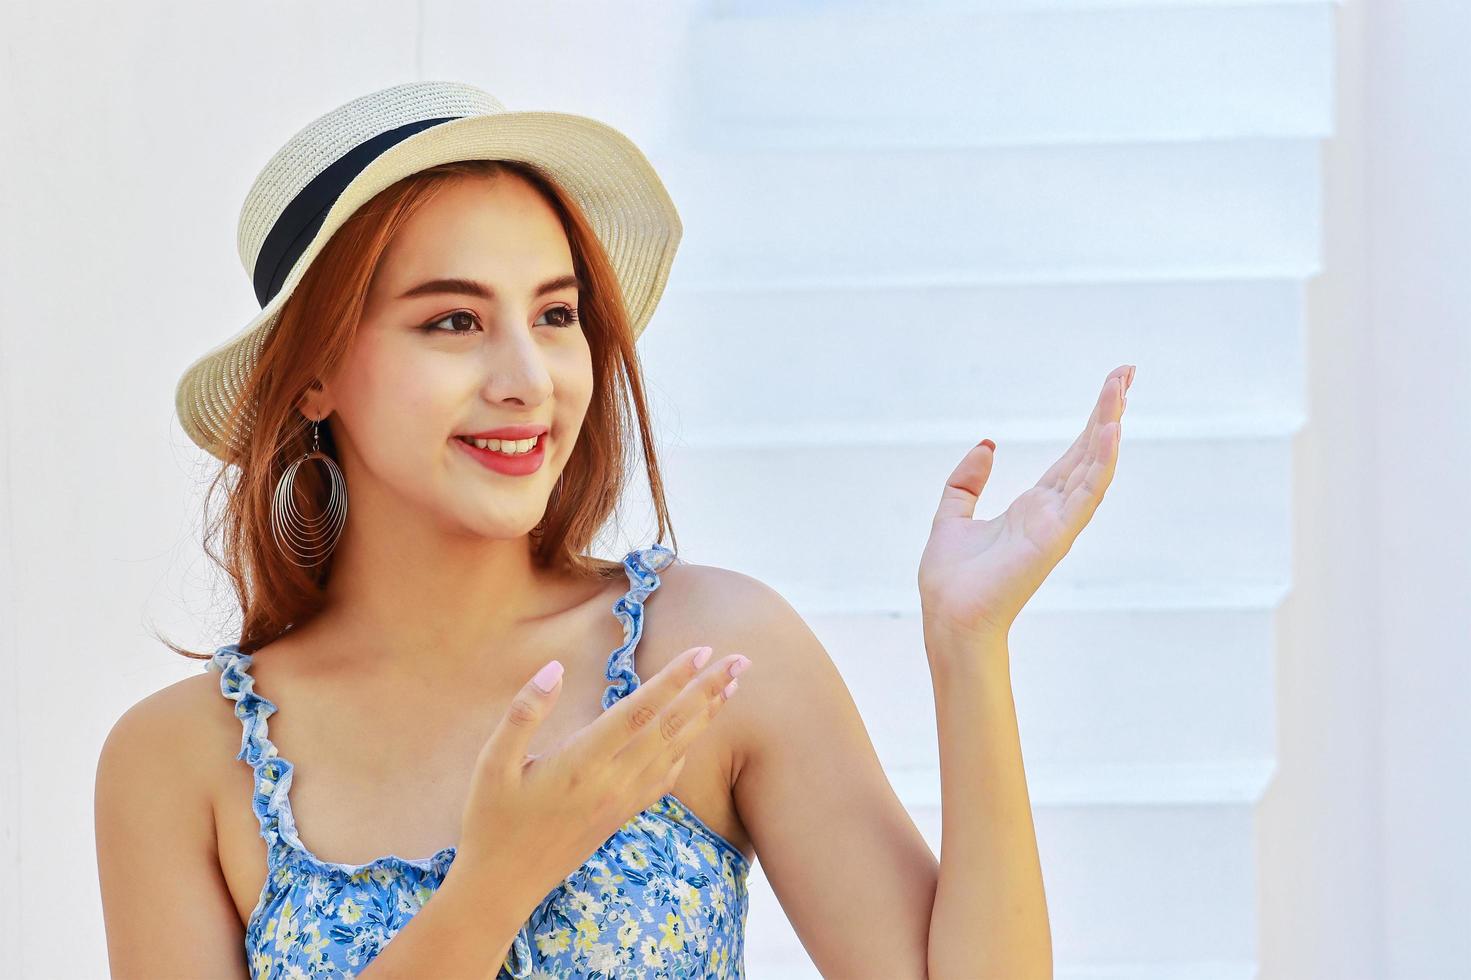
x,y
547,677
702,657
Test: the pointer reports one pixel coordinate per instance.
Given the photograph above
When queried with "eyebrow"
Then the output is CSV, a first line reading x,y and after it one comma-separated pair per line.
x,y
472,287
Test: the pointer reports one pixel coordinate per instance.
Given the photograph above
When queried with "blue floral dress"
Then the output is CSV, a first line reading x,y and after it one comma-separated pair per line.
x,y
664,898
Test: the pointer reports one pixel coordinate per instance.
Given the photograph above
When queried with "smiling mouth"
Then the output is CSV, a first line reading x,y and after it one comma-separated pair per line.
x,y
505,447
510,464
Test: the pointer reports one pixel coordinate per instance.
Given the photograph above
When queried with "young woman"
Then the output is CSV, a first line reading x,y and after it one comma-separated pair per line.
x,y
462,779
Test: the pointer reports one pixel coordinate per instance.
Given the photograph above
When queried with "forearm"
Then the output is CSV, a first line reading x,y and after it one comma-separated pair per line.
x,y
463,932
990,914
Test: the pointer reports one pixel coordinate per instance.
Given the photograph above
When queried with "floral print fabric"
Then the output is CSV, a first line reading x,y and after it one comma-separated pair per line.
x,y
664,898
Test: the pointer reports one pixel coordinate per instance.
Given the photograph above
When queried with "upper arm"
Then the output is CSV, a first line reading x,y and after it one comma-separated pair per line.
x,y
165,905
853,873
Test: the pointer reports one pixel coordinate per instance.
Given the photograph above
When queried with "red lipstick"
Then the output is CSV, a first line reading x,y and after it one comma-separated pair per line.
x,y
519,465
507,432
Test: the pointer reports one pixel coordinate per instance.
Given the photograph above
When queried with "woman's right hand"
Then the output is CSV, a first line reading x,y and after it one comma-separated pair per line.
x,y
540,817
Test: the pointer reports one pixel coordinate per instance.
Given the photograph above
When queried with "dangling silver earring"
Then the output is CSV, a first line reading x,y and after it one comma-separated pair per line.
x,y
306,541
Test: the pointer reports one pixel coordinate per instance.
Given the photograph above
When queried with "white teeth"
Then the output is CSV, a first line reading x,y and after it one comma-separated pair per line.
x,y
509,447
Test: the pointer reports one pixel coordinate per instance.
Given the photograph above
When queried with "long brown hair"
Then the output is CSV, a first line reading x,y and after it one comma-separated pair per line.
x,y
316,328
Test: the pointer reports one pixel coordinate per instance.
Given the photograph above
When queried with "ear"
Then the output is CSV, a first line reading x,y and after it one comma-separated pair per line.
x,y
315,402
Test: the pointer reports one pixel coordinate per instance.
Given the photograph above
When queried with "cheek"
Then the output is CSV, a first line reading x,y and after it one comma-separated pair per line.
x,y
574,381
401,402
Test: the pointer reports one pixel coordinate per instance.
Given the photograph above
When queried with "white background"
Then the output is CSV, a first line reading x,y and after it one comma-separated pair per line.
x,y
907,227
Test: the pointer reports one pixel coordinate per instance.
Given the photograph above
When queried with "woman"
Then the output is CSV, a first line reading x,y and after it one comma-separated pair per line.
x,y
451,295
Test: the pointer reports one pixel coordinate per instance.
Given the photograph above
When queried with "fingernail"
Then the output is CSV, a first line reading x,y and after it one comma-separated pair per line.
x,y
987,442
547,677
730,689
739,665
702,657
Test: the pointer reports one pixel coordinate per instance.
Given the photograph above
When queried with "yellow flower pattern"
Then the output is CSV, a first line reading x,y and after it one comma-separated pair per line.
x,y
663,898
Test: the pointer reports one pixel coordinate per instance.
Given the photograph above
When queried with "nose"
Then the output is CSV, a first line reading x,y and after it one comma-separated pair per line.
x,y
516,366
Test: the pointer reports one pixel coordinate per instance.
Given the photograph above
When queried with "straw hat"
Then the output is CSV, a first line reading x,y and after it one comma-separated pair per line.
x,y
339,161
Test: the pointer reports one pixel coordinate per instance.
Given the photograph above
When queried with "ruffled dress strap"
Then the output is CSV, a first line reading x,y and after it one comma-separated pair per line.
x,y
272,773
642,567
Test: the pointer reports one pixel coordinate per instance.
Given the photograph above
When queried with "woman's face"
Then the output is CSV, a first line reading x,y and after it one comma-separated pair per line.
x,y
430,362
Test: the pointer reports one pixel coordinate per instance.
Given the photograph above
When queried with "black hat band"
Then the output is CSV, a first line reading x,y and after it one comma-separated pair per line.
x,y
300,219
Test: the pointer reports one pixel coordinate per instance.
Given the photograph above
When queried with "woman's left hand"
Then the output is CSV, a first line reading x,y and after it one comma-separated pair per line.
x,y
975,576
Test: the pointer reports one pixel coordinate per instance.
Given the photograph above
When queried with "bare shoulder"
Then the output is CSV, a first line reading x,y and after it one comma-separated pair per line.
x,y
156,852
175,733
739,613
712,595
738,607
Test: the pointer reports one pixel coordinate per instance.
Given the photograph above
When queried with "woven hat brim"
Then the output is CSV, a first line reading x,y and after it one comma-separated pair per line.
x,y
617,188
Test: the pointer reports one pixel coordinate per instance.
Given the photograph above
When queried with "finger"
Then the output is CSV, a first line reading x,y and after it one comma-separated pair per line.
x,y
1084,490
964,485
1110,394
596,744
653,750
669,755
529,708
1107,408
1096,468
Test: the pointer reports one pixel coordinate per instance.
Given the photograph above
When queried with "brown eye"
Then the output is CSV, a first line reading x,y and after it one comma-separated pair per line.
x,y
567,315
434,326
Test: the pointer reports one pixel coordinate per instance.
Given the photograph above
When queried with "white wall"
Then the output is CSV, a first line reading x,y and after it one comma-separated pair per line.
x,y
1318,845
1364,833
907,226
1419,218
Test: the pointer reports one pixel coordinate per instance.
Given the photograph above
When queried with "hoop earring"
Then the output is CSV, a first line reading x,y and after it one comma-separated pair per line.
x,y
306,541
